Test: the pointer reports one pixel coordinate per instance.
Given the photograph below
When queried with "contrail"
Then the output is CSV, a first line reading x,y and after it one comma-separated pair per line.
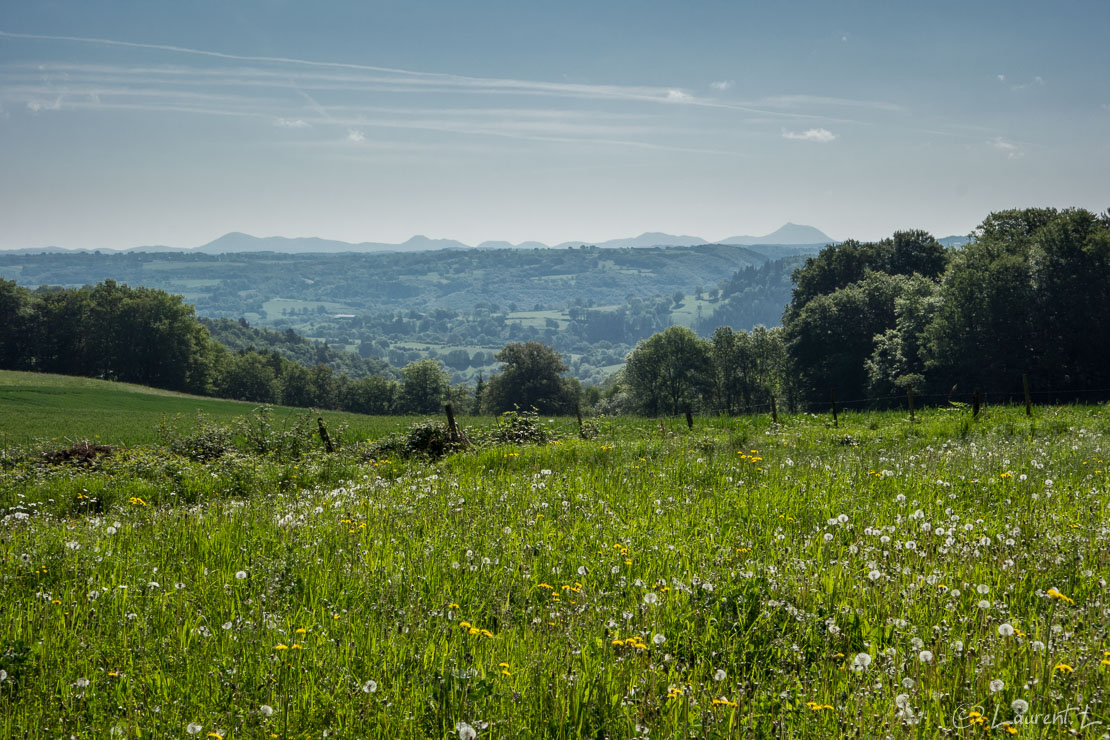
x,y
643,94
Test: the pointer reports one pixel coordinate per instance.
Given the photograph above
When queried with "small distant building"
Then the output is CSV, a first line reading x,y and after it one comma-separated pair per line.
x,y
344,316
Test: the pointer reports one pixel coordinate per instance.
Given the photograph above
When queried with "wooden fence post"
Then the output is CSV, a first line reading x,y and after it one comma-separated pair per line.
x,y
452,427
1028,399
774,410
689,419
909,393
975,404
836,421
324,436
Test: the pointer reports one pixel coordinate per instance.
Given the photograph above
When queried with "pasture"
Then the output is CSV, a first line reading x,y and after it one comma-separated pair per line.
x,y
882,578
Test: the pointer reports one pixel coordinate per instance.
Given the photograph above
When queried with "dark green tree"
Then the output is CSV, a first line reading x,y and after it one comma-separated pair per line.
x,y
531,377
670,372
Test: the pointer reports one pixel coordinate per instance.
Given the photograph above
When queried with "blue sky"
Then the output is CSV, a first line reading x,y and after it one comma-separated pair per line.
x,y
129,123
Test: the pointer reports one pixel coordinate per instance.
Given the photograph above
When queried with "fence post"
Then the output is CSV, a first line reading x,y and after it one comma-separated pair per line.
x,y
451,425
836,421
909,393
689,419
578,413
975,404
324,436
774,410
1028,400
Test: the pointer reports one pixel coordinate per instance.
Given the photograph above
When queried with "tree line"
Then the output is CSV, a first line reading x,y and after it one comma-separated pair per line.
x,y
1028,296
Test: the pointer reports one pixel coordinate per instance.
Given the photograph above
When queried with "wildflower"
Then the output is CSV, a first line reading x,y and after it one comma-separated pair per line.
x,y
81,683
1005,629
984,604
723,702
983,589
370,687
925,656
466,732
1063,668
874,575
216,735
861,662
281,646
1053,593
193,728
1020,706
241,575
266,710
659,639
651,597
908,683
719,675
997,685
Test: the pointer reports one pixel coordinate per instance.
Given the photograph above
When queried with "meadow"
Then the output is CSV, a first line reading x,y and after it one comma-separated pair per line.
x,y
944,577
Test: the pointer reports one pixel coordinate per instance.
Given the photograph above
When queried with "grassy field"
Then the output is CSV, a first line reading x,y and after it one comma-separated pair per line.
x,y
879,579
55,410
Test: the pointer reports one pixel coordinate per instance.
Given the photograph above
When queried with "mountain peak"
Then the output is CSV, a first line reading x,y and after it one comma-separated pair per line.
x,y
788,233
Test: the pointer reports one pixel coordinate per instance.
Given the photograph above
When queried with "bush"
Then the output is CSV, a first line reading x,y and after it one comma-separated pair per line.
x,y
263,436
430,439
206,441
519,427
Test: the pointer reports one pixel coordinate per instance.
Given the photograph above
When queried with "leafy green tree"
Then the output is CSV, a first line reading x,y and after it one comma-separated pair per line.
x,y
16,315
833,335
670,372
531,377
249,377
371,395
424,387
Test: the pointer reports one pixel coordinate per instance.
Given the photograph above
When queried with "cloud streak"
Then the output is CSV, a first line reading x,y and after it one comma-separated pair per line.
x,y
819,135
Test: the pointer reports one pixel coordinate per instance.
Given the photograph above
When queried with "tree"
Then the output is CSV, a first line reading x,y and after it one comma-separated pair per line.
x,y
531,377
249,377
424,387
669,372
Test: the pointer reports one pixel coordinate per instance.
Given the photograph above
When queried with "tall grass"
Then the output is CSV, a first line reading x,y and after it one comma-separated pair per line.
x,y
740,580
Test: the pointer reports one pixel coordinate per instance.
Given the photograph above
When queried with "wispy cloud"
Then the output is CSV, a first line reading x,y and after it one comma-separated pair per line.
x,y
292,123
721,85
1012,150
678,96
38,105
819,135
356,136
1037,81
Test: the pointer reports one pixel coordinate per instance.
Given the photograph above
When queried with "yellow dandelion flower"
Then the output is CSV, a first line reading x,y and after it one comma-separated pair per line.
x,y
1063,668
280,646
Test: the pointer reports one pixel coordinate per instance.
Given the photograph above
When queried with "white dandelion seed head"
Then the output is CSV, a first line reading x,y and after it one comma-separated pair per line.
x,y
958,646
997,685
925,656
241,575
370,687
908,683
983,589
81,682
1037,646
651,597
984,604
466,732
1005,629
659,639
193,728
266,710
902,701
111,530
1020,706
861,661
720,675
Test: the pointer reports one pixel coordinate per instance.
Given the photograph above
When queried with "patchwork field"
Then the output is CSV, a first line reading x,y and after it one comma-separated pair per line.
x,y
940,578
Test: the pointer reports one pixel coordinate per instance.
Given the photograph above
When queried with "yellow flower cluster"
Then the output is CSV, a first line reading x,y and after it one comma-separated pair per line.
x,y
632,642
817,707
472,630
1057,595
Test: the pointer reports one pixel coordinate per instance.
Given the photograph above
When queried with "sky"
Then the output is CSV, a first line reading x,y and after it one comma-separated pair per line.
x,y
156,123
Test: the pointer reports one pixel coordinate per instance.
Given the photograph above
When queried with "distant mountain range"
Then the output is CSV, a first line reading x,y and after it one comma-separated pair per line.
x,y
787,240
